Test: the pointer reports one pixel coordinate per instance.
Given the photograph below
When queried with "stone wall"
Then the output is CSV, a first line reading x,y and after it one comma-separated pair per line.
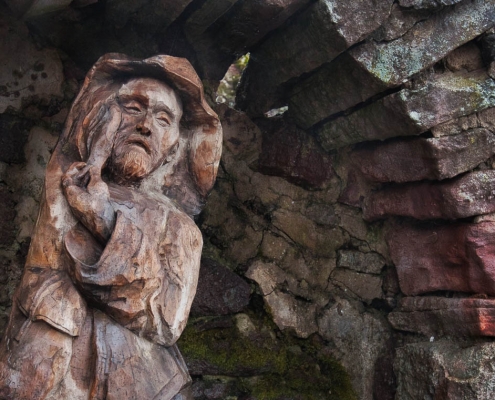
x,y
349,241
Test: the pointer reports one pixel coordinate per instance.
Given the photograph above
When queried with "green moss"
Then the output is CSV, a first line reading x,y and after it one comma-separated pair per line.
x,y
269,367
326,380
228,352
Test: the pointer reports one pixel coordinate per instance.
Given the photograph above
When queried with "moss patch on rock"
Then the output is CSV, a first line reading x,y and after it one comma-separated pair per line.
x,y
267,363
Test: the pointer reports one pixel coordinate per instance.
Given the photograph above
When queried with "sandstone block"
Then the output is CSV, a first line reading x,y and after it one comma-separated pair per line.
x,y
366,287
418,4
445,370
454,257
220,291
291,153
359,338
368,263
288,312
465,196
439,316
399,22
412,111
241,250
420,158
303,231
485,119
377,66
241,136
274,247
222,30
317,36
312,274
467,57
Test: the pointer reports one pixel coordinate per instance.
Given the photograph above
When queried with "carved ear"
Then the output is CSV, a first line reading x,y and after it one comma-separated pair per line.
x,y
204,156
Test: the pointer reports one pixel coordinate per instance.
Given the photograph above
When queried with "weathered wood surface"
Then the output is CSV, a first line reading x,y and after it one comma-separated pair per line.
x,y
113,264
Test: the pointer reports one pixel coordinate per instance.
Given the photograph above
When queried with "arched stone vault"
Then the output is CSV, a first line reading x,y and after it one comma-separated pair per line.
x,y
349,243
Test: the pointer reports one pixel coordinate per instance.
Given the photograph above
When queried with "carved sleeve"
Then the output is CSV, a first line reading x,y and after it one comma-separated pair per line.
x,y
146,275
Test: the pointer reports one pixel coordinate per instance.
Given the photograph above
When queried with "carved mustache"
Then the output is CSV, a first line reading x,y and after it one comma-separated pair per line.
x,y
140,141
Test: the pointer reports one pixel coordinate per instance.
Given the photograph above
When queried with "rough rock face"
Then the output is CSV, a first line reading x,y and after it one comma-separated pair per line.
x,y
445,370
291,153
272,280
440,316
466,196
316,36
31,75
360,339
223,30
220,291
419,158
412,111
374,67
457,257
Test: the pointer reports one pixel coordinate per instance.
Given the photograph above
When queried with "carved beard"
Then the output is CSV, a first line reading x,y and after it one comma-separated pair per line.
x,y
133,157
130,165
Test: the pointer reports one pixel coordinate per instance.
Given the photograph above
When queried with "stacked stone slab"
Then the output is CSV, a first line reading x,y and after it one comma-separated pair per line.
x,y
412,111
316,36
375,66
440,316
424,158
408,109
221,31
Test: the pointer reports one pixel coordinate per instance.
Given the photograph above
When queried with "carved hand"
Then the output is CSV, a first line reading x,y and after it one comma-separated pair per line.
x,y
102,121
89,199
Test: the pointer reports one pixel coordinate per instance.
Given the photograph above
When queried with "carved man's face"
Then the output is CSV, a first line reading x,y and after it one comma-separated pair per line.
x,y
149,130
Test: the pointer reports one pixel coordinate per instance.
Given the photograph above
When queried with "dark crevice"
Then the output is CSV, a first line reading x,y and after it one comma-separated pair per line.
x,y
355,108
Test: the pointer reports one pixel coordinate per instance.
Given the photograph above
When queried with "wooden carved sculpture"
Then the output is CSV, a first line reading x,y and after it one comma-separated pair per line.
x,y
113,264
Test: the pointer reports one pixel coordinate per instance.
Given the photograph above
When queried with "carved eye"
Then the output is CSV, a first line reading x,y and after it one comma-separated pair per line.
x,y
133,107
163,118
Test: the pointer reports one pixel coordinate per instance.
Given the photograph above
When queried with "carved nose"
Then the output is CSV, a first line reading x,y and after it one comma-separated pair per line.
x,y
143,129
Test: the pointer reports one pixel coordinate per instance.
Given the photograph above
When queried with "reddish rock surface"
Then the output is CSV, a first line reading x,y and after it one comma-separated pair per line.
x,y
376,66
453,257
445,316
412,111
407,160
291,153
317,36
445,370
466,196
220,291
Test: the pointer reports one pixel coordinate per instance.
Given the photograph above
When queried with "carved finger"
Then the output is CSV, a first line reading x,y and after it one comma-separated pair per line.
x,y
96,184
71,175
81,179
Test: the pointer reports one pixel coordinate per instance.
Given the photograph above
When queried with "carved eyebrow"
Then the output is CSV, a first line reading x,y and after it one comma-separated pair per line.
x,y
134,97
160,106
